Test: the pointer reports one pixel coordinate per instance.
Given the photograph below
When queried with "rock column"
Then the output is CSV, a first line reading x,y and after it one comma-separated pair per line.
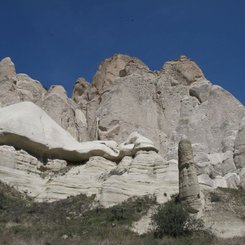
x,y
189,190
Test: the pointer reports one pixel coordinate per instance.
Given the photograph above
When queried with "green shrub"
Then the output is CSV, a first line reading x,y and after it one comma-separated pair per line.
x,y
214,197
173,219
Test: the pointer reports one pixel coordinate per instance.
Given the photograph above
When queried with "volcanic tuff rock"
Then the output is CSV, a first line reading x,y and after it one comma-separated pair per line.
x,y
16,88
164,106
26,126
189,190
239,147
125,96
146,174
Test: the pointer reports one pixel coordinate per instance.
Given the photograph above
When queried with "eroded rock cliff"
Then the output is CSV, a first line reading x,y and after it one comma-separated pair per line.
x,y
125,96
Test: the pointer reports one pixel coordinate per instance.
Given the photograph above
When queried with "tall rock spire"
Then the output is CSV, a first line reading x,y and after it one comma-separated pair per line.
x,y
189,190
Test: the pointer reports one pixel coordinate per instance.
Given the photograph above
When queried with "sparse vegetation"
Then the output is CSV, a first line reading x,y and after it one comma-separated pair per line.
x,y
234,199
77,221
173,219
214,197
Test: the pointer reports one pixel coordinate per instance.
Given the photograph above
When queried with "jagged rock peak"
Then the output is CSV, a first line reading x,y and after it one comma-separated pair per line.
x,y
183,69
7,69
59,91
118,65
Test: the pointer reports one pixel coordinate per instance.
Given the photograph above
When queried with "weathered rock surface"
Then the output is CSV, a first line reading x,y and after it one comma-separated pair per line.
x,y
189,189
116,67
25,172
165,106
38,149
7,69
15,88
80,91
26,126
124,97
146,174
64,111
239,147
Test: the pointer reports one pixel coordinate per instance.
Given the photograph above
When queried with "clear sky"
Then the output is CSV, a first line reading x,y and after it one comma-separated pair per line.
x,y
57,41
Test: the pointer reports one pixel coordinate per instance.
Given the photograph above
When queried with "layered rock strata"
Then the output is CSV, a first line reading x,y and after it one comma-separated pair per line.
x,y
164,106
125,96
145,174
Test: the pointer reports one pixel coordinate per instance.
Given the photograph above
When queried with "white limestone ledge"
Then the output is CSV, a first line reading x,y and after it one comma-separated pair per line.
x,y
26,126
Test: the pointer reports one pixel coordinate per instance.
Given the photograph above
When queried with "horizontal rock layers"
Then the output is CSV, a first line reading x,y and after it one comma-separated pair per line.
x,y
146,174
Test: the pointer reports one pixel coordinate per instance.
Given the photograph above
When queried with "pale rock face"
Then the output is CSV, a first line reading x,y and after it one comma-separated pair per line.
x,y
80,91
26,126
86,179
106,88
8,93
7,69
184,71
189,189
60,108
239,156
141,171
16,88
125,97
117,114
146,174
232,180
24,172
201,90
27,174
29,89
165,106
136,142
115,67
242,178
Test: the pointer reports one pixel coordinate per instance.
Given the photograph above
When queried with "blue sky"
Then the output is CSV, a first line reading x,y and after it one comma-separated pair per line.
x,y
57,41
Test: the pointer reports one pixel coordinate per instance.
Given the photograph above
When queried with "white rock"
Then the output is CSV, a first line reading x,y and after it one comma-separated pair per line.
x,y
136,142
242,178
25,125
146,174
239,156
233,180
7,69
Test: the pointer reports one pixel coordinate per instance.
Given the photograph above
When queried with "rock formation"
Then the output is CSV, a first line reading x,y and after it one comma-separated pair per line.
x,y
26,126
124,97
16,88
189,190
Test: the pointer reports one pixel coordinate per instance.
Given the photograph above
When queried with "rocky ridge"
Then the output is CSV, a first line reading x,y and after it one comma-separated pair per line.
x,y
125,96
